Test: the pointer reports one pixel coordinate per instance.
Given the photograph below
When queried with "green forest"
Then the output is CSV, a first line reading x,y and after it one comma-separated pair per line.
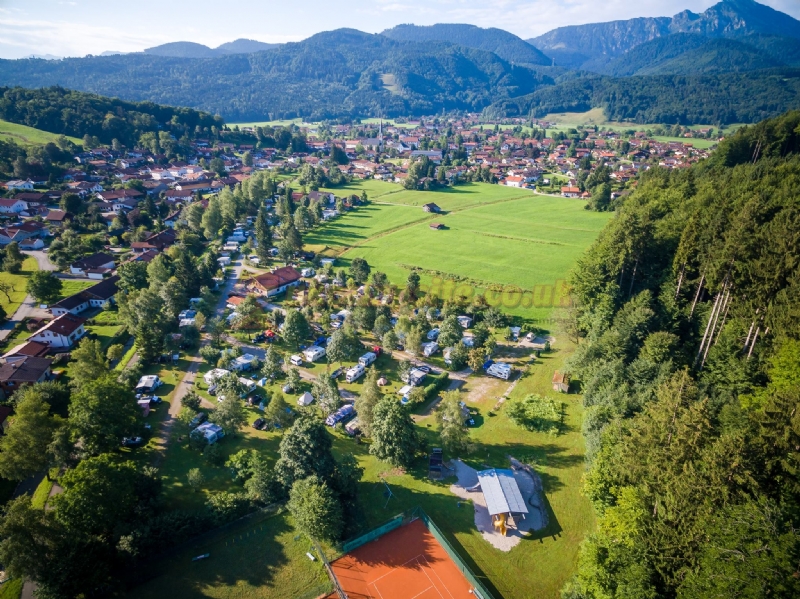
x,y
329,75
74,113
689,361
719,99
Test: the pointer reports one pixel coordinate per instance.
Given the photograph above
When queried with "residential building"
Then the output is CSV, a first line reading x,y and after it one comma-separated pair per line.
x,y
61,332
277,281
28,370
95,266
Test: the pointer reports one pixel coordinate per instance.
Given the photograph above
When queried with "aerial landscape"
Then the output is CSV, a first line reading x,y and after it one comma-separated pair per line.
x,y
379,300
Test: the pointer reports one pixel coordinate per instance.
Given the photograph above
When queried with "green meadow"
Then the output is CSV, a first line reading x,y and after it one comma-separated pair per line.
x,y
24,135
510,244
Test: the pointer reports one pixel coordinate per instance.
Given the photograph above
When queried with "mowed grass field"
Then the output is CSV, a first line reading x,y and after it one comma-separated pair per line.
x,y
18,284
24,135
515,244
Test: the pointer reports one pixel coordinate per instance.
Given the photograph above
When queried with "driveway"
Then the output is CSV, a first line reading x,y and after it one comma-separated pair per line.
x,y
42,259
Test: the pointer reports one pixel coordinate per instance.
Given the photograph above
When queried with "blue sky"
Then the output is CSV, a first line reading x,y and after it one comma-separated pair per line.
x,y
80,27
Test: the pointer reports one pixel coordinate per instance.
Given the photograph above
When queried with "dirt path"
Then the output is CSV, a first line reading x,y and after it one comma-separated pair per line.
x,y
186,384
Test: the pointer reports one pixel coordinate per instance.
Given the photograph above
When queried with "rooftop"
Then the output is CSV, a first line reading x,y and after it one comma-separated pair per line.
x,y
501,492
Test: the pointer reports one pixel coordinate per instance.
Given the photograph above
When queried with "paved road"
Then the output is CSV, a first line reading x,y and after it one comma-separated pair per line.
x,y
42,259
28,308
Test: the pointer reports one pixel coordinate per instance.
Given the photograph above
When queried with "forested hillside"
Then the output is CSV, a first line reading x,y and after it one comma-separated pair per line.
x,y
690,365
506,45
68,112
685,53
673,99
332,74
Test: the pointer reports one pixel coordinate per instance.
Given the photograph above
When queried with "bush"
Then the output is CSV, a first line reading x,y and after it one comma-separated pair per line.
x,y
213,455
161,532
225,507
440,381
537,413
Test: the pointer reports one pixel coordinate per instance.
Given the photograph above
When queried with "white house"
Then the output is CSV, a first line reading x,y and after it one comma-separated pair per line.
x,y
19,184
95,266
12,206
63,331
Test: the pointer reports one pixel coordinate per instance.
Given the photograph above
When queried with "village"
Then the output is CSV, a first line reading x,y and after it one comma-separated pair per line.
x,y
209,292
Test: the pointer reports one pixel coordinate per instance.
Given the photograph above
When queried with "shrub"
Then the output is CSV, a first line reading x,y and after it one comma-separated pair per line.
x,y
537,413
224,506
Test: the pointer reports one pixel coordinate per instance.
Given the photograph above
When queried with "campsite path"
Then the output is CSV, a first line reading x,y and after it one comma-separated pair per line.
x,y
186,384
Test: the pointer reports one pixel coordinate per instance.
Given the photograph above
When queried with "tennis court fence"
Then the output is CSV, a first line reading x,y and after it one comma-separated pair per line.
x,y
417,513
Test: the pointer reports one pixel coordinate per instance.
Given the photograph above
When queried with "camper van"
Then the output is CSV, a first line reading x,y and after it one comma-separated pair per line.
x,y
354,373
148,384
367,359
296,360
499,370
428,349
343,413
314,353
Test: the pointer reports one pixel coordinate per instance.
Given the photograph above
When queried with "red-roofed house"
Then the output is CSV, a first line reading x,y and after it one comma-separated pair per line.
x,y
275,282
63,331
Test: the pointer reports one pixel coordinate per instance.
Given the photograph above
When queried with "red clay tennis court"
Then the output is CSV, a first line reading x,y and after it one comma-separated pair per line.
x,y
406,563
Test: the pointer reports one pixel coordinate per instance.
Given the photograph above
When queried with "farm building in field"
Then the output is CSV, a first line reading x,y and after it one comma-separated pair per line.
x,y
277,281
502,495
436,226
561,382
431,207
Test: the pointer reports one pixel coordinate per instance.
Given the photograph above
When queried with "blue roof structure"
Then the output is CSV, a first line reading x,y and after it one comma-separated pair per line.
x,y
501,492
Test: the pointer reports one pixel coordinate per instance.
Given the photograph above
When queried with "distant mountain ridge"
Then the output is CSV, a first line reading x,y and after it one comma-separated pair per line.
x,y
575,45
195,50
690,53
506,45
341,73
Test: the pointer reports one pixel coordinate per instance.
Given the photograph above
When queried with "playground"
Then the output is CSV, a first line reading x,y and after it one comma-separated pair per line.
x,y
406,563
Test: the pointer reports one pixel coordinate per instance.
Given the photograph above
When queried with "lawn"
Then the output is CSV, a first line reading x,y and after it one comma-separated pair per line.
x,y
262,559
537,567
498,239
11,589
25,135
18,283
70,287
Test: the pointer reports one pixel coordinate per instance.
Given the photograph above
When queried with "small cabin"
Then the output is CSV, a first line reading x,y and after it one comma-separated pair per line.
x,y
561,382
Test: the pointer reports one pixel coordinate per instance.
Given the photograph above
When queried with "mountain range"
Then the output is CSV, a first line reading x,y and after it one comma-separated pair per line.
x,y
194,50
575,45
735,62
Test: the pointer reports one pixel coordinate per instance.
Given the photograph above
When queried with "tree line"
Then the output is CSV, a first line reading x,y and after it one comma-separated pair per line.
x,y
685,309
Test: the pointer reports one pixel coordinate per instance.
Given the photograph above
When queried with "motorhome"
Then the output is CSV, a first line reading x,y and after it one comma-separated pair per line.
x,y
354,373
314,353
499,370
367,359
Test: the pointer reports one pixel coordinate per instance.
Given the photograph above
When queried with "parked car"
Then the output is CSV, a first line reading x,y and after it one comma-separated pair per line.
x,y
260,338
198,419
132,441
258,424
212,390
423,368
335,374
